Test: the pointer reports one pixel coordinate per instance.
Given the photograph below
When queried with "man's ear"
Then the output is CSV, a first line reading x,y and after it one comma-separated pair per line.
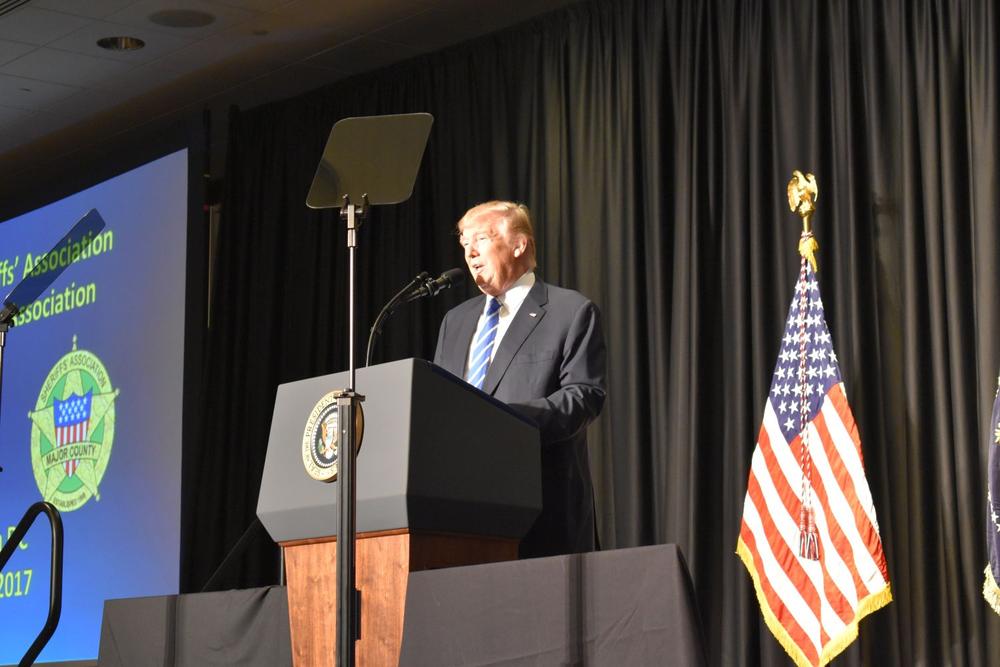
x,y
520,245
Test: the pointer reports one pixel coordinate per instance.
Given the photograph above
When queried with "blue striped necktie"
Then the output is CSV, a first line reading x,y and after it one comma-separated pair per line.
x,y
483,346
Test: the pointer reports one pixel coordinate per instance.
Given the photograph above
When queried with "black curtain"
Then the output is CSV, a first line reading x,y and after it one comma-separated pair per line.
x,y
653,141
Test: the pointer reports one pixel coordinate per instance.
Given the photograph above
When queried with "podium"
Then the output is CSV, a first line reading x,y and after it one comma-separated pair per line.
x,y
446,476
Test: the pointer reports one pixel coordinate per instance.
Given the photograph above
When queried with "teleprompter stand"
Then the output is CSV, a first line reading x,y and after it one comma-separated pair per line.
x,y
367,161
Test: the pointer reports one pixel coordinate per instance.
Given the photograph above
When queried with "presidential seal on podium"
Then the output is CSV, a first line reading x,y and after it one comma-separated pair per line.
x,y
321,438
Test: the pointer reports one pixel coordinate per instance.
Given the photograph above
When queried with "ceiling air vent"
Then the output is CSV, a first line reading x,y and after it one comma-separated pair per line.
x,y
182,18
7,6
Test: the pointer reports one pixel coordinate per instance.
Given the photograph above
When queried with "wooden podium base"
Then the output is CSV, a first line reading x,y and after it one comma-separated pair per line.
x,y
384,561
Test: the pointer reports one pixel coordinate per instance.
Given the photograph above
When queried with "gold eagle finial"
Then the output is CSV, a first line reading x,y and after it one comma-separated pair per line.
x,y
802,196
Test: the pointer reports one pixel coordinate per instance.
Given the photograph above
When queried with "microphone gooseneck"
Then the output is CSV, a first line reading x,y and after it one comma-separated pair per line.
x,y
421,286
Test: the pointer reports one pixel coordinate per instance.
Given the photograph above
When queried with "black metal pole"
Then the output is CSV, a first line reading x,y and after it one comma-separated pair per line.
x,y
55,577
348,597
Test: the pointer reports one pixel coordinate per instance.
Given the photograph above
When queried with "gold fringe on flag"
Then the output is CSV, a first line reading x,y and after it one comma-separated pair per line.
x,y
991,592
837,644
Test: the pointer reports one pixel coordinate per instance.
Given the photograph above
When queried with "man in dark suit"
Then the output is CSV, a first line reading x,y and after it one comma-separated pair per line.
x,y
539,348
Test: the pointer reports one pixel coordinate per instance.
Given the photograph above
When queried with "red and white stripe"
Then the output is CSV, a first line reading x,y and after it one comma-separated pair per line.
x,y
67,435
813,607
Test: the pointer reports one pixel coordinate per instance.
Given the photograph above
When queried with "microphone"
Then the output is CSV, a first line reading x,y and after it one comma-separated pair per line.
x,y
427,287
421,286
7,314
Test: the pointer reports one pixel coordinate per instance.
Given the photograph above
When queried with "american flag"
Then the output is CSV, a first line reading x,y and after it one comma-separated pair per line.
x,y
72,424
809,536
991,591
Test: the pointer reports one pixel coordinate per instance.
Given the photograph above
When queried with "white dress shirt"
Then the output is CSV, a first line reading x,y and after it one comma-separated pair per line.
x,y
510,303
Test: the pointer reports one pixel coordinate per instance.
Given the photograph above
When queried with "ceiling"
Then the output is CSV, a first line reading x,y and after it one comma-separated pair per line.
x,y
62,97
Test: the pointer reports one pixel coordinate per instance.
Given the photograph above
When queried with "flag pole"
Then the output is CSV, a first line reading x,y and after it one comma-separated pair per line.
x,y
802,196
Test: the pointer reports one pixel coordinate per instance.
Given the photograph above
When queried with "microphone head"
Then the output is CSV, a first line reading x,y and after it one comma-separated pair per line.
x,y
452,277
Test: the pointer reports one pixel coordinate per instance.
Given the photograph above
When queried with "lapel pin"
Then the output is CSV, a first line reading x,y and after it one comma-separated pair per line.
x,y
532,314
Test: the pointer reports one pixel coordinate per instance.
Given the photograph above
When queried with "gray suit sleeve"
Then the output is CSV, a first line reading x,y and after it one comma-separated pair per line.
x,y
567,411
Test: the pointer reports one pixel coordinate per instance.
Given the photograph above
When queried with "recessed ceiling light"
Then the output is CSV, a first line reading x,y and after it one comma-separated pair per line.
x,y
182,18
122,43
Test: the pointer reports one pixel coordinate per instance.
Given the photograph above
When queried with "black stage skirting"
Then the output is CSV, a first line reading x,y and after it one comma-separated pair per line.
x,y
622,607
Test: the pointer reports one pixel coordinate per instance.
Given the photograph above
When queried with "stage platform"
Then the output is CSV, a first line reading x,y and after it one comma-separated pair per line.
x,y
622,607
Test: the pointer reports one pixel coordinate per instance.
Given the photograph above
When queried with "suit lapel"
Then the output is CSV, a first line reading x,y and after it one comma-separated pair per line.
x,y
528,316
